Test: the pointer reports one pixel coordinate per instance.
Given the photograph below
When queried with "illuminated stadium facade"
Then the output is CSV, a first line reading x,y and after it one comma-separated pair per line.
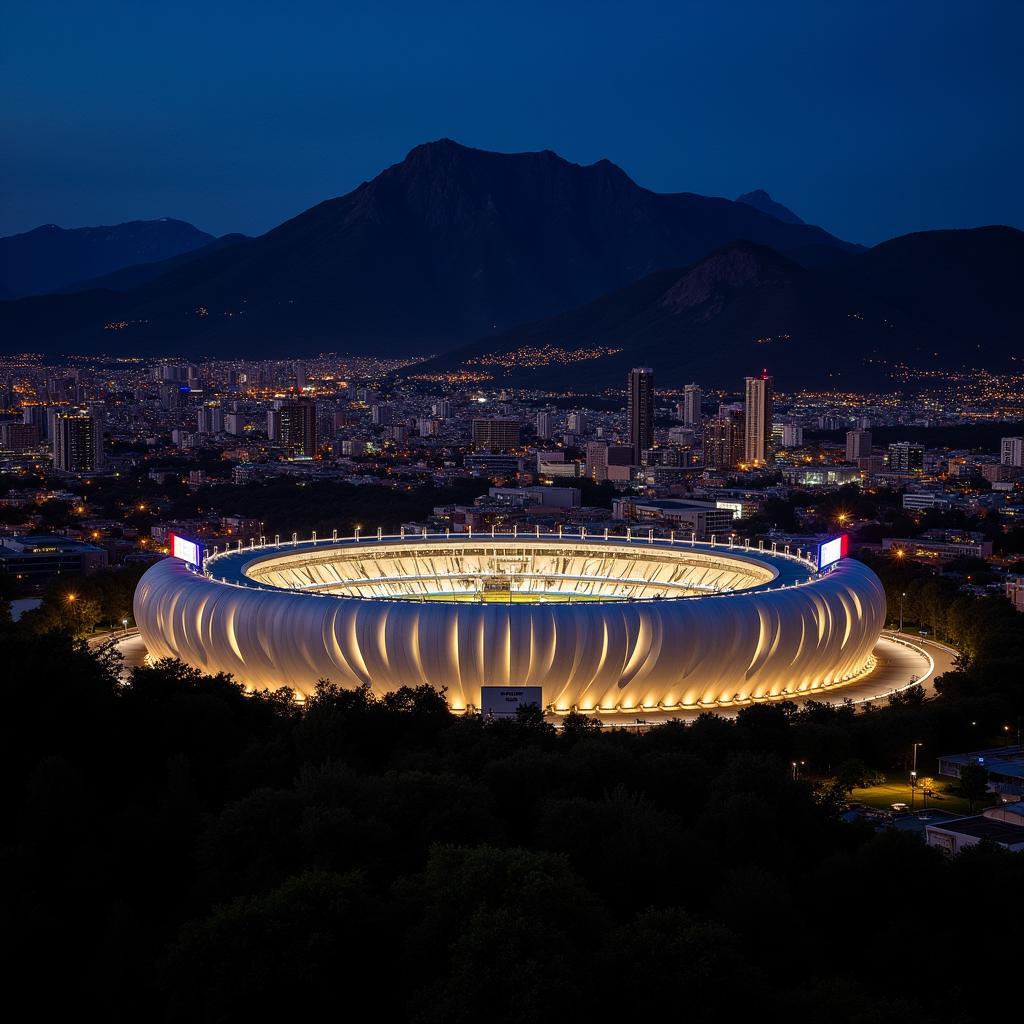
x,y
600,624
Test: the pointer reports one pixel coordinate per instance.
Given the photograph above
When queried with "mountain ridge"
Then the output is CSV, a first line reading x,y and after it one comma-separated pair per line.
x,y
762,201
49,257
433,252
745,306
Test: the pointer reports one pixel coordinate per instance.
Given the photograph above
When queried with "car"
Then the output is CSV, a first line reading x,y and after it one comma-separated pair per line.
x,y
899,808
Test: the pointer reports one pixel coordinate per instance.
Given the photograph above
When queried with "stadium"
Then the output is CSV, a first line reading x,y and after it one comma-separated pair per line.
x,y
600,624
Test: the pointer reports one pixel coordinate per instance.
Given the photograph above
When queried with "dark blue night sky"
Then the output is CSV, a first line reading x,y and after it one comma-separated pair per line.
x,y
871,119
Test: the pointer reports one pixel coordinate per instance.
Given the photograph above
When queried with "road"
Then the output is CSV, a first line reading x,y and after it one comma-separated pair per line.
x,y
902,660
128,643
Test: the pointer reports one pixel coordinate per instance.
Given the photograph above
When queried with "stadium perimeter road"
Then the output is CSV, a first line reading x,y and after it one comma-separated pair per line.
x,y
902,660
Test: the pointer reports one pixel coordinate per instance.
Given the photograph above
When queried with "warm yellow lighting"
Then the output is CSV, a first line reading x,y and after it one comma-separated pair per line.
x,y
573,620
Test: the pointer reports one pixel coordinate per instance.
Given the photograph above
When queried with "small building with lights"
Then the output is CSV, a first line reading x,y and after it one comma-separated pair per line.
x,y
1005,767
42,556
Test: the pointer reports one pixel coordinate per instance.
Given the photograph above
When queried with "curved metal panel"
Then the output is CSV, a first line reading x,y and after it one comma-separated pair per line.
x,y
691,652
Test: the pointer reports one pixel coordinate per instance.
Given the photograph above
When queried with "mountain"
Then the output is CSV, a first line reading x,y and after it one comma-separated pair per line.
x,y
964,283
915,299
760,200
50,258
446,246
142,273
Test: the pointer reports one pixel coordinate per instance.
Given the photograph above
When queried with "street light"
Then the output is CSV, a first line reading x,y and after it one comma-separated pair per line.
x,y
913,776
902,595
796,768
124,622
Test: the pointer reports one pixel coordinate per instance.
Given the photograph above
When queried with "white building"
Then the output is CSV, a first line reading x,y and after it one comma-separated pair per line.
x,y
1011,451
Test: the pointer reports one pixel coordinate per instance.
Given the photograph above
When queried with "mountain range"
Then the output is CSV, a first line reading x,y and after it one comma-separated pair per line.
x,y
447,245
50,258
935,300
469,253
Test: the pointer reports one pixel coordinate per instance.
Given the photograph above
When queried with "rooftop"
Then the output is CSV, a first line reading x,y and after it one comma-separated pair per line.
x,y
999,760
980,827
43,543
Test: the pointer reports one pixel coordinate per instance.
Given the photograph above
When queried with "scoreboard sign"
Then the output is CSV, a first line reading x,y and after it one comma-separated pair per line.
x,y
187,550
504,701
832,550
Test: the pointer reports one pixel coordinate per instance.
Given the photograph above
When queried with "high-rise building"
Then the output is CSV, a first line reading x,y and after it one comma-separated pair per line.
x,y
597,460
577,423
210,419
381,414
640,410
442,409
235,423
792,435
497,434
179,374
690,405
757,413
296,427
724,441
37,416
18,437
1011,451
170,395
858,445
545,425
299,369
906,457
77,443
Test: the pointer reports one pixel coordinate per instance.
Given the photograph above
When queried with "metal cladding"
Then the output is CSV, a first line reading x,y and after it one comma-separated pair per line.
x,y
771,627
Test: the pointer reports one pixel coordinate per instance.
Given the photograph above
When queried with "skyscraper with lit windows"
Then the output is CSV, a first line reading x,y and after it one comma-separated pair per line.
x,y
757,413
640,411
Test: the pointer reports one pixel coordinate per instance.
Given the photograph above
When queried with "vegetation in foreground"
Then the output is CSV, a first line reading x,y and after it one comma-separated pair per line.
x,y
175,850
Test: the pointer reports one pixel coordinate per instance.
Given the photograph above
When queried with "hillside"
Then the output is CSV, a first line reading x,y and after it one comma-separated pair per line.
x,y
916,299
50,258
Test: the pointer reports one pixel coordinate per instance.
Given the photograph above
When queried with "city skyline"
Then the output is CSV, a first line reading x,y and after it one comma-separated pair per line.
x,y
597,463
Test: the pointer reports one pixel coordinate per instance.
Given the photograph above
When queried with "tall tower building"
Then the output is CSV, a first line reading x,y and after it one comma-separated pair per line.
x,y
210,419
545,425
1011,451
758,410
858,445
381,414
38,417
497,434
296,428
576,423
597,461
640,411
77,443
906,457
724,441
692,397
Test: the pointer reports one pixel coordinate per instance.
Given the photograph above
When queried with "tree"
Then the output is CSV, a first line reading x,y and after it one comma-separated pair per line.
x,y
973,782
575,725
853,774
